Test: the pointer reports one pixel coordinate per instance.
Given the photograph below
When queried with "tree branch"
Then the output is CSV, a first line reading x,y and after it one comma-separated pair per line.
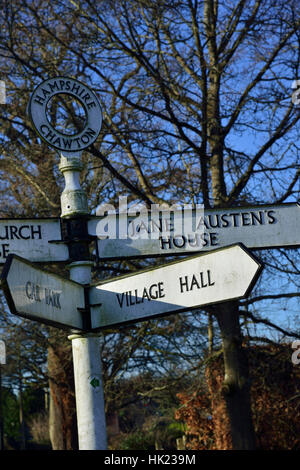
x,y
271,324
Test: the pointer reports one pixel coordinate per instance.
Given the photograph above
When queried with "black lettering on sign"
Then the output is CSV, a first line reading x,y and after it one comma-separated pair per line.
x,y
43,129
85,138
271,218
137,300
257,219
57,141
165,243
64,86
52,298
39,100
218,221
24,232
14,232
129,298
153,291
92,104
179,242
53,86
33,291
145,294
75,88
45,92
196,240
25,236
198,281
183,284
225,221
235,219
246,218
214,221
4,250
36,231
67,143
120,298
161,289
213,238
50,135
90,132
86,97
201,224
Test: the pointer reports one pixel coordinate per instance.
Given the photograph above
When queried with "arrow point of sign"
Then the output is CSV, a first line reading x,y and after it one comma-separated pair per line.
x,y
40,295
258,267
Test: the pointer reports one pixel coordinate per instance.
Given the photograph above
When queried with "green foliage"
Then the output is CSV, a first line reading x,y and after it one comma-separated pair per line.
x,y
10,410
161,435
33,401
138,441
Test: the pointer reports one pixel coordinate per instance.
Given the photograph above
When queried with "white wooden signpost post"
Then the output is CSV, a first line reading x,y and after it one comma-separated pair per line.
x,y
86,349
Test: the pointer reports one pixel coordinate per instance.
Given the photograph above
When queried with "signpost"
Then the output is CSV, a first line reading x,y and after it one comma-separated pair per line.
x,y
46,297
74,211
223,270
39,239
227,273
257,227
222,275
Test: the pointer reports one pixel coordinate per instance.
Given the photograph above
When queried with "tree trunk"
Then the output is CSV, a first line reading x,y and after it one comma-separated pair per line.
x,y
62,418
236,387
55,421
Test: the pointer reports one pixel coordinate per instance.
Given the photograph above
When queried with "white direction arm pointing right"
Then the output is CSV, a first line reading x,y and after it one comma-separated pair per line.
x,y
218,276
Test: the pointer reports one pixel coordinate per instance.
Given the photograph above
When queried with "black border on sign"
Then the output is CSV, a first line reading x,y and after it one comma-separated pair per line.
x,y
31,218
11,304
255,278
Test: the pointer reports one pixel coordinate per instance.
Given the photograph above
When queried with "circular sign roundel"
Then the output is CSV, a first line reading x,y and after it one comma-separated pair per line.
x,y
38,110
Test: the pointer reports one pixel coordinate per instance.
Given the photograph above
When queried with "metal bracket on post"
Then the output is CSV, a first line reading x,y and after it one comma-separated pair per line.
x,y
74,209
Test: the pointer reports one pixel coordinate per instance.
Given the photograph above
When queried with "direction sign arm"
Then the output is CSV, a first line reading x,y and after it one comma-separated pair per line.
x,y
206,279
42,296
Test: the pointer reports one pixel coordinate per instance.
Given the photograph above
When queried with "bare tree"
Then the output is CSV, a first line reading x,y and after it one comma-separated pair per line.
x,y
197,109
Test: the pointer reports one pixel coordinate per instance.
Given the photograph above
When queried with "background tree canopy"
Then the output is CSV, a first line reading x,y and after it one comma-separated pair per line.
x,y
197,104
